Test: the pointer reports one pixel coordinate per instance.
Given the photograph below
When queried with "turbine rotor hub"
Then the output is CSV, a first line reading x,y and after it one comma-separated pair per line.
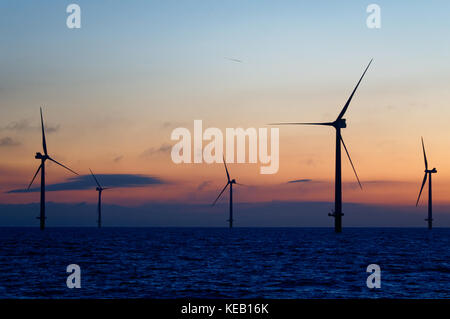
x,y
340,123
233,181
40,156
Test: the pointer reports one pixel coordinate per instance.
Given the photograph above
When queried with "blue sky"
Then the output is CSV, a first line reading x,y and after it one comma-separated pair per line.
x,y
186,38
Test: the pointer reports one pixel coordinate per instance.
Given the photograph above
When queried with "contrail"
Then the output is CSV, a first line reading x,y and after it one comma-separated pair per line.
x,y
234,60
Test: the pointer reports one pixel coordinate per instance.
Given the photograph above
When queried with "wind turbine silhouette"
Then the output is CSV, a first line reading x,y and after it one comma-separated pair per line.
x,y
338,124
99,189
428,172
43,158
230,182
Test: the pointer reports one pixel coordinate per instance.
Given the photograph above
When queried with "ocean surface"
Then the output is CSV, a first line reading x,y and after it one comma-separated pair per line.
x,y
223,263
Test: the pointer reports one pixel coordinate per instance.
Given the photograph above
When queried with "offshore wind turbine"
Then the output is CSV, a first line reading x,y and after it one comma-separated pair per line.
x,y
43,158
99,189
428,172
338,124
230,183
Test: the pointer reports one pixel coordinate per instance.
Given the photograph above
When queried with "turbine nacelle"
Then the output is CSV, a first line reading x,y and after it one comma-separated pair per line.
x,y
334,214
99,187
40,156
233,181
340,123
434,170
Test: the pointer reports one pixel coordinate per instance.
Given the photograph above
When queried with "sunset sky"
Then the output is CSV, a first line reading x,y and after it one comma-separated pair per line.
x,y
113,91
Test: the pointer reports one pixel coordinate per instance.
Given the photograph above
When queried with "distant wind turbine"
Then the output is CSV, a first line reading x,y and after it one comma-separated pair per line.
x,y
99,189
430,203
43,158
230,182
338,124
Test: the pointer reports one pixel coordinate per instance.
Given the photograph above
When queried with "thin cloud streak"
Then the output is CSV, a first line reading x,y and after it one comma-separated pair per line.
x,y
85,182
8,141
118,159
163,149
306,180
203,185
25,126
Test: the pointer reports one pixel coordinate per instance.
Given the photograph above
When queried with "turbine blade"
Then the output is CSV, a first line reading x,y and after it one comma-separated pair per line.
x,y
351,96
226,169
348,155
39,168
98,184
323,123
424,155
220,194
44,143
421,189
62,165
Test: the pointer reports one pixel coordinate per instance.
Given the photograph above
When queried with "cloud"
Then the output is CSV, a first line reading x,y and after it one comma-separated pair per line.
x,y
118,159
382,182
355,183
8,141
52,129
306,180
106,180
24,126
164,148
203,185
167,124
